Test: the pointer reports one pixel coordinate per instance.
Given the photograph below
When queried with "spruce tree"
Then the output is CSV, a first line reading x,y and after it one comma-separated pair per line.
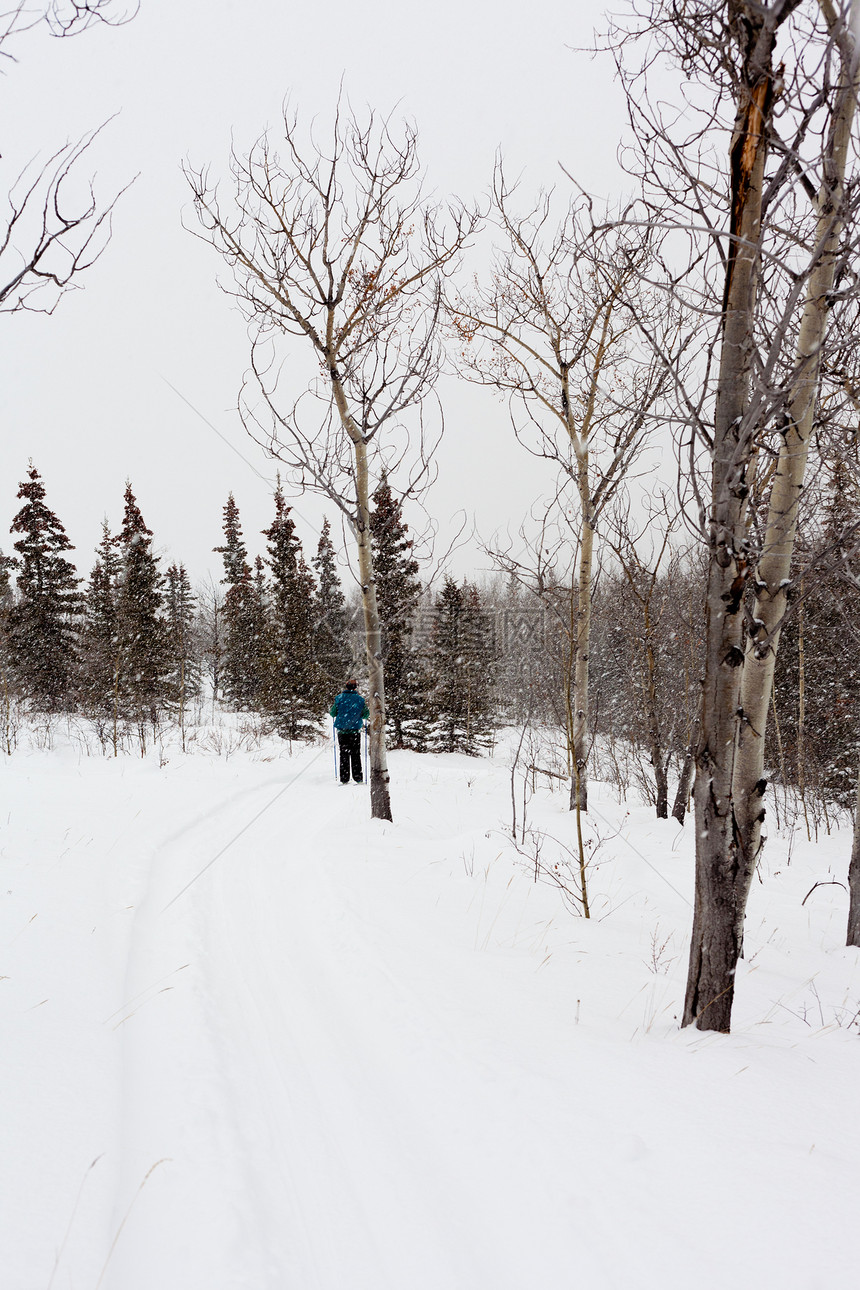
x,y
43,621
99,642
7,687
7,564
331,621
242,615
292,682
461,661
398,591
141,631
182,642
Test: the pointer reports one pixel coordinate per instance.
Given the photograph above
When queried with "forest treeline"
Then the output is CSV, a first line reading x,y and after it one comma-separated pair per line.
x,y
134,646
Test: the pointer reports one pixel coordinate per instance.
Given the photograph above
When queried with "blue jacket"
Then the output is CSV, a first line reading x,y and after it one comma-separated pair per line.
x,y
349,711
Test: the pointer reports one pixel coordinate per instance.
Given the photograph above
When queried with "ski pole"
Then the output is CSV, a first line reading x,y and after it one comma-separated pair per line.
x,y
334,748
366,766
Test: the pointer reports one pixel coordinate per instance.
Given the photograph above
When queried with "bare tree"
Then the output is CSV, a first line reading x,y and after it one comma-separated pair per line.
x,y
777,81
63,17
650,596
69,17
539,566
554,332
54,228
52,231
336,253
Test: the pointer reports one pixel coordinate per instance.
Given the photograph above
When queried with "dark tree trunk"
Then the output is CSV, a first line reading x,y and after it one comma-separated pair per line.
x,y
662,785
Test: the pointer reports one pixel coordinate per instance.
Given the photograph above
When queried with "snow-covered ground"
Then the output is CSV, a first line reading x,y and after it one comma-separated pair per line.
x,y
361,1056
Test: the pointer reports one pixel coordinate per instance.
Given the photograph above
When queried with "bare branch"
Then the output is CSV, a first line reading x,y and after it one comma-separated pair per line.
x,y
54,229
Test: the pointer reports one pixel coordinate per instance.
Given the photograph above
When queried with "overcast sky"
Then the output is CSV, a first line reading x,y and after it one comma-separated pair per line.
x,y
85,391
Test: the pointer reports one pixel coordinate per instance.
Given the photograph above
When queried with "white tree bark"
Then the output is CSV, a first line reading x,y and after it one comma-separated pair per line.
x,y
380,798
774,566
715,947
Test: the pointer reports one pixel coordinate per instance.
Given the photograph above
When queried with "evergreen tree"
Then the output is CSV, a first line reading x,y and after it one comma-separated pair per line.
x,y
7,564
331,621
182,643
99,646
398,591
461,665
243,617
141,632
43,621
292,681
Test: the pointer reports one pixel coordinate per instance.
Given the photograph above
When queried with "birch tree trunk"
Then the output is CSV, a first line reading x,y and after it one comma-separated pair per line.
x,y
715,944
579,782
380,797
685,779
380,800
774,566
730,782
853,937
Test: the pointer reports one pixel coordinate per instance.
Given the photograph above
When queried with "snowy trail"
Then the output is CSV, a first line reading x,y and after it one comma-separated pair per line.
x,y
359,1056
321,1124
358,1154
175,1149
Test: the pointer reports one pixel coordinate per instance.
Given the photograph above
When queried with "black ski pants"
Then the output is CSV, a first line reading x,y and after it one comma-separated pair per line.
x,y
350,755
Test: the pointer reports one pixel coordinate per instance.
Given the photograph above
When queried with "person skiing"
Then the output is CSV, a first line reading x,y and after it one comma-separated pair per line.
x,y
350,712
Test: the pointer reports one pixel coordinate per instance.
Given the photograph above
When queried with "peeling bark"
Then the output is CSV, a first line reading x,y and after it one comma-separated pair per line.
x,y
718,909
774,566
730,783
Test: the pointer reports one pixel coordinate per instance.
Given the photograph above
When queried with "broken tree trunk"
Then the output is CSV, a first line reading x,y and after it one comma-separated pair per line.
x,y
717,914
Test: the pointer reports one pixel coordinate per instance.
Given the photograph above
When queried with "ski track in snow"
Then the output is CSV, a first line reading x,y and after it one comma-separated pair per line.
x,y
341,1104
324,1060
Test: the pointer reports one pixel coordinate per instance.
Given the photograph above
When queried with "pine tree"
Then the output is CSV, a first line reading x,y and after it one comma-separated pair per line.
x,y
398,591
7,564
43,622
242,615
182,642
461,664
99,642
141,631
331,621
292,683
